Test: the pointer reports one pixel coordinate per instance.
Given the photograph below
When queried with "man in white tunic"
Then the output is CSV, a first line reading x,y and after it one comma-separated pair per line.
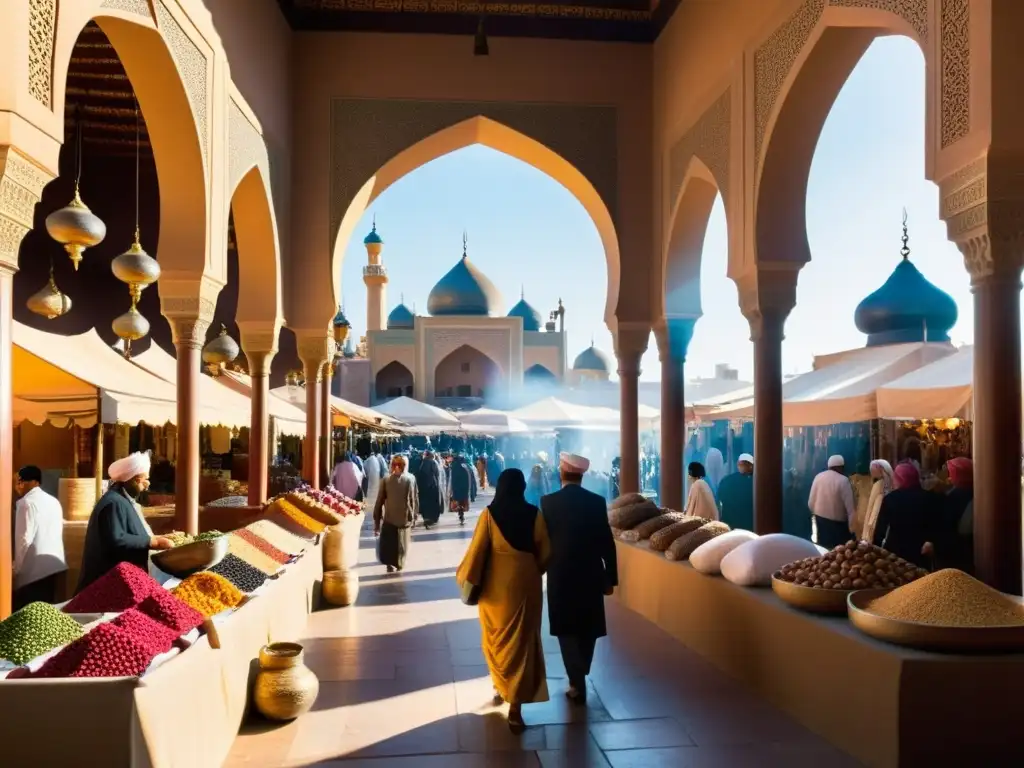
x,y
38,540
831,504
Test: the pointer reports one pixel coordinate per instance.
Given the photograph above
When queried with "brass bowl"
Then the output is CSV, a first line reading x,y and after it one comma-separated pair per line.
x,y
929,637
191,558
812,599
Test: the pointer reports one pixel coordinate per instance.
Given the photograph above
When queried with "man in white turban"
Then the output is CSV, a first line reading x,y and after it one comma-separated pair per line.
x,y
117,530
831,504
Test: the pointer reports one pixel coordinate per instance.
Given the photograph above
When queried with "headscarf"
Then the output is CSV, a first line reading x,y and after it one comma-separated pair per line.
x,y
887,480
123,470
510,511
907,476
961,472
715,467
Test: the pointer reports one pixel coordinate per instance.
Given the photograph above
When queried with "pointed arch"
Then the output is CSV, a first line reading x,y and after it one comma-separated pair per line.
x,y
490,133
393,380
259,259
468,372
539,374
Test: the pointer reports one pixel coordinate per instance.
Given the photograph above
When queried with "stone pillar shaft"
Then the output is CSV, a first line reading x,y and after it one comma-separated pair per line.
x,y
673,342
314,419
6,441
189,337
259,427
629,423
767,334
326,424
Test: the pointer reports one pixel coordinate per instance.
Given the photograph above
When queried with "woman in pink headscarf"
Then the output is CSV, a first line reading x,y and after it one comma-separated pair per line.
x,y
908,516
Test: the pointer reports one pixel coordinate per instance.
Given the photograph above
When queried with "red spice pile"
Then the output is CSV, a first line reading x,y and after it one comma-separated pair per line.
x,y
155,637
107,651
119,589
171,612
263,545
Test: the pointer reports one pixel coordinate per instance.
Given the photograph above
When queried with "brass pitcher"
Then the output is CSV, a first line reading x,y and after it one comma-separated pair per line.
x,y
285,687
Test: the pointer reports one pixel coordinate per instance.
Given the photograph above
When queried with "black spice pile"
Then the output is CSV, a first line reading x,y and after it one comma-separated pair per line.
x,y
240,573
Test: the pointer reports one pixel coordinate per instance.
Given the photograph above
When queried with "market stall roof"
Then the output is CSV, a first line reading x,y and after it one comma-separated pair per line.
x,y
65,378
344,412
552,413
420,416
487,421
842,387
232,407
941,389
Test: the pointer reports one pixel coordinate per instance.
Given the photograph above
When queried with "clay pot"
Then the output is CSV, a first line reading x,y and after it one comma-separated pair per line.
x,y
340,587
341,544
285,687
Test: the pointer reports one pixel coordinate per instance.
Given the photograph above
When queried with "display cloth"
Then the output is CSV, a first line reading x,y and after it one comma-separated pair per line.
x,y
184,714
940,390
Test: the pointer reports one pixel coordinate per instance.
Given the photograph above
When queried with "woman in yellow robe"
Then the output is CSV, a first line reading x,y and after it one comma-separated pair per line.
x,y
507,558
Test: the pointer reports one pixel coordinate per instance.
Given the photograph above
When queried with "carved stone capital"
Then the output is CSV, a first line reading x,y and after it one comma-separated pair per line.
x,y
259,362
631,339
21,187
259,340
189,332
673,335
188,298
768,292
315,348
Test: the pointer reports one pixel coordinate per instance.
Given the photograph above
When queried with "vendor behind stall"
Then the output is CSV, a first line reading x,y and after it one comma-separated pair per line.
x,y
118,531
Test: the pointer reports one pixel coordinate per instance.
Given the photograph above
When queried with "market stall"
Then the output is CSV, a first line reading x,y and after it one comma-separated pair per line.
x,y
421,417
941,389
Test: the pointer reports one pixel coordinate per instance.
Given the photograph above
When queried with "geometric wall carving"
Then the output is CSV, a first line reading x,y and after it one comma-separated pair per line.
x,y
245,148
191,66
914,12
42,25
955,72
140,7
708,140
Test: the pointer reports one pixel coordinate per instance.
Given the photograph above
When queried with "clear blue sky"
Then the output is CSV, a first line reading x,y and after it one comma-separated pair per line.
x,y
525,229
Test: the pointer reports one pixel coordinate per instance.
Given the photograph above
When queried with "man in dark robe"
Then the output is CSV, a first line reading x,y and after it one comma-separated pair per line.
x,y
117,530
736,495
462,487
430,480
581,572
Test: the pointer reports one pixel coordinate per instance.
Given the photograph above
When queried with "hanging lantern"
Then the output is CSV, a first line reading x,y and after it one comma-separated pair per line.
x,y
136,268
131,326
49,301
76,228
220,351
341,327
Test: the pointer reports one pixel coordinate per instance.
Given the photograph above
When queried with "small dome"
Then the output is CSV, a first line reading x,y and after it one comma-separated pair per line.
x,y
465,290
907,308
592,359
373,238
401,318
350,348
340,321
532,319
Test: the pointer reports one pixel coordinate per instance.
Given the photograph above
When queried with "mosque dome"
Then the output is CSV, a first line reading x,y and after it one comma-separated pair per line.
x,y
464,290
592,359
532,319
373,238
401,318
907,308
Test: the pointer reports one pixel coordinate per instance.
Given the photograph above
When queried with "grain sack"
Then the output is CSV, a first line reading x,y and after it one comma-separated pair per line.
x,y
683,547
625,518
627,500
644,530
661,540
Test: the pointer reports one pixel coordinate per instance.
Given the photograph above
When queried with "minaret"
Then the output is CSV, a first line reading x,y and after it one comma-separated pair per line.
x,y
375,275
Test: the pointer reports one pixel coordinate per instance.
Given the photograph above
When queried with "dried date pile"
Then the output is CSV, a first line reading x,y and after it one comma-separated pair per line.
x,y
854,565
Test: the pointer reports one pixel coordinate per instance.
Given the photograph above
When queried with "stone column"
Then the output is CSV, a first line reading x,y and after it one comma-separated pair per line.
x,y
630,345
260,347
21,186
314,350
327,422
189,338
673,341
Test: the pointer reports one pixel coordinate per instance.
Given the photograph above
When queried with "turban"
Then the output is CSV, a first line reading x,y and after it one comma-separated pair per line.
x,y
570,462
961,472
836,461
125,469
746,457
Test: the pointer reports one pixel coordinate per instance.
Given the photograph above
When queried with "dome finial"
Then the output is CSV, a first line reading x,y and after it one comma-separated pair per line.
x,y
464,243
522,292
905,250
373,227
401,298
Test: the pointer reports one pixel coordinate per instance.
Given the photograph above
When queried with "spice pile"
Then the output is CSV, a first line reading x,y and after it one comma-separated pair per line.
x,y
293,519
34,630
171,612
106,651
119,589
209,593
245,551
155,637
949,598
239,573
852,566
279,537
263,546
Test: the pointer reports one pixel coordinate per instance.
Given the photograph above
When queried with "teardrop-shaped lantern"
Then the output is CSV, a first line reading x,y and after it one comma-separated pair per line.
x,y
49,301
220,351
136,267
76,228
131,326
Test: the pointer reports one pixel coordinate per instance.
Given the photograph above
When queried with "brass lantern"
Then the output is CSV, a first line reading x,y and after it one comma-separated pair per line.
x,y
136,268
131,326
49,301
220,351
341,328
76,228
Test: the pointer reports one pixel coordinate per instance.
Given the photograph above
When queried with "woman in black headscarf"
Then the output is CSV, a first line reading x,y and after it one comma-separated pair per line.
x,y
501,573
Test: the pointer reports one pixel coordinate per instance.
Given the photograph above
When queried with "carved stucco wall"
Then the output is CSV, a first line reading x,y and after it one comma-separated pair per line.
x,y
708,140
246,148
366,133
42,28
192,66
139,7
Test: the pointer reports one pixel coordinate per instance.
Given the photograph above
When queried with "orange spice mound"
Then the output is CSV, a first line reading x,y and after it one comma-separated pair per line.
x,y
296,515
209,593
949,598
316,510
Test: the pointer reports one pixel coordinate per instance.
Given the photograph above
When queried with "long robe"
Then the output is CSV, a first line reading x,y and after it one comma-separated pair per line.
x,y
395,510
116,534
701,501
511,608
736,498
430,480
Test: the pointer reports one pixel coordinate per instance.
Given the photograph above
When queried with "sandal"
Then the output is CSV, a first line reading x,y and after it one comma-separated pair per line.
x,y
515,722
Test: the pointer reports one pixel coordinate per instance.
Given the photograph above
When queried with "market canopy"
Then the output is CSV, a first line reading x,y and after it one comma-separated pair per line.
x,y
420,416
487,421
942,389
344,412
551,413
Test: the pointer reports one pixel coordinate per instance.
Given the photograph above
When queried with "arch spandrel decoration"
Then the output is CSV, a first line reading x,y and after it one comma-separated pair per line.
x,y
42,31
139,7
708,140
246,148
192,66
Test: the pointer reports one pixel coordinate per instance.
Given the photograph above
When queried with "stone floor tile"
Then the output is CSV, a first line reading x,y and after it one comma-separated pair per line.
x,y
640,734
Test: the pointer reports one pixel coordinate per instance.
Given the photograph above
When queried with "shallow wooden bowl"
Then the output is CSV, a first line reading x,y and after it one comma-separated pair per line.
x,y
929,637
191,558
829,601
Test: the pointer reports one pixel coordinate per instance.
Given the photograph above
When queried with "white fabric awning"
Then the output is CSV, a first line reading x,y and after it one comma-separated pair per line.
x,y
487,421
552,413
418,415
939,390
344,412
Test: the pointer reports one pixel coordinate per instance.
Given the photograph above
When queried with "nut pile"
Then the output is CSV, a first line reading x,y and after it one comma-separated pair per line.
x,y
281,538
263,546
245,551
106,651
122,587
172,612
949,598
852,566
34,630
209,593
240,573
155,637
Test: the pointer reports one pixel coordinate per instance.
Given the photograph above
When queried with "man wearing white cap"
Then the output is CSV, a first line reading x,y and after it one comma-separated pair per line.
x,y
118,531
581,572
736,495
831,504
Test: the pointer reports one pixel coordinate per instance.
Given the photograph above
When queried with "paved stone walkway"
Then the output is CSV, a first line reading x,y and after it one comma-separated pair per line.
x,y
403,684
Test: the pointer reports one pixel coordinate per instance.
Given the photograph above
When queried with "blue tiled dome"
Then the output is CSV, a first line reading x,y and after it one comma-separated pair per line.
x,y
465,290
340,321
401,318
907,308
373,238
592,359
532,319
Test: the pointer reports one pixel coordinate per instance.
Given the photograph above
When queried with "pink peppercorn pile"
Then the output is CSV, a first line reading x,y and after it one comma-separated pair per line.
x,y
122,587
263,545
155,637
170,611
106,651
